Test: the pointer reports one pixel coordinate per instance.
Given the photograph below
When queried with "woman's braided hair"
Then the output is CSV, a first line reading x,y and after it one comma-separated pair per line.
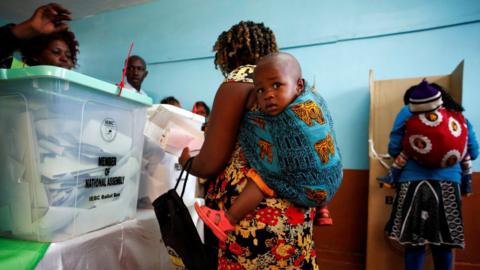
x,y
243,44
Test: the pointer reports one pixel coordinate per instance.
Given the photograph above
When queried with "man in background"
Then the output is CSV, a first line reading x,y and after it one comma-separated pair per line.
x,y
136,73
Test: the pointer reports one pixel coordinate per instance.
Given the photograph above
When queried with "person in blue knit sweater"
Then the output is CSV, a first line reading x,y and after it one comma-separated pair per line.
x,y
427,206
435,136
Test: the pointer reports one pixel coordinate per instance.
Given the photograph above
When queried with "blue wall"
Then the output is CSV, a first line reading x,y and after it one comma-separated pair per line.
x,y
337,42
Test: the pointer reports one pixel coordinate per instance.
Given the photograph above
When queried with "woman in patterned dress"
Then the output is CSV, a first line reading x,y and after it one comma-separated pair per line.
x,y
278,234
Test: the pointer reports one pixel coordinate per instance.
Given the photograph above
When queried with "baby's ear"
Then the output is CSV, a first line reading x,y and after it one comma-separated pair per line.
x,y
300,85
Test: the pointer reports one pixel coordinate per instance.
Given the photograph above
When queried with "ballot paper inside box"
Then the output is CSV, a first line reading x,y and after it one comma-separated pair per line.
x,y
174,128
70,153
168,130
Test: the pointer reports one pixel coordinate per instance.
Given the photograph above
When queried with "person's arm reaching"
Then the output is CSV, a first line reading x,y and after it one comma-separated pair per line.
x,y
472,145
398,131
223,123
45,20
9,44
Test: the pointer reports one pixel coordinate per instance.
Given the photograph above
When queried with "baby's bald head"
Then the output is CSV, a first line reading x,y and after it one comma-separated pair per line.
x,y
284,60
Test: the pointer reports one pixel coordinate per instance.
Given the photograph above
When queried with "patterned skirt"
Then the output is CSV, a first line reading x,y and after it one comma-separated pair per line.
x,y
276,235
427,212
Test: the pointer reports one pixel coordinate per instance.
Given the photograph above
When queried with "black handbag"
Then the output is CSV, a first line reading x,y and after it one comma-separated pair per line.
x,y
184,246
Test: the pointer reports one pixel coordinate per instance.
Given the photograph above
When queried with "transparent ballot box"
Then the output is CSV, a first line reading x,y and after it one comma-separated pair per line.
x,y
70,153
168,131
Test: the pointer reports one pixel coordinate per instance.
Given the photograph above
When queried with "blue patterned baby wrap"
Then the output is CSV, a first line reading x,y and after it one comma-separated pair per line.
x,y
295,152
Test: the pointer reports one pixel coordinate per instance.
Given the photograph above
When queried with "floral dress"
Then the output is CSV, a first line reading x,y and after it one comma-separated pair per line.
x,y
277,235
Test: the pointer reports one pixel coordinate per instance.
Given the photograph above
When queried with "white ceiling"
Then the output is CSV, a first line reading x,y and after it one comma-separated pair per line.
x,y
19,10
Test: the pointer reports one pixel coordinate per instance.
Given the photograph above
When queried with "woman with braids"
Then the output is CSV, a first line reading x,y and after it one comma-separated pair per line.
x,y
58,49
277,234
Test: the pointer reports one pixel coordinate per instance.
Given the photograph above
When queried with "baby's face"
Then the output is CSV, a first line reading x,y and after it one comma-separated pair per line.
x,y
275,87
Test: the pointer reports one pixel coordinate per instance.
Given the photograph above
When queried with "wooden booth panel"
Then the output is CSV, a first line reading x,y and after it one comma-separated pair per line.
x,y
469,258
342,245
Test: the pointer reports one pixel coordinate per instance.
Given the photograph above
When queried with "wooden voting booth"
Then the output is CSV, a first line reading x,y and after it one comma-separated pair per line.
x,y
386,100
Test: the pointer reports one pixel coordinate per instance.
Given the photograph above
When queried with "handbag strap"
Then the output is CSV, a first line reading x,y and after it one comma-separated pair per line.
x,y
187,167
